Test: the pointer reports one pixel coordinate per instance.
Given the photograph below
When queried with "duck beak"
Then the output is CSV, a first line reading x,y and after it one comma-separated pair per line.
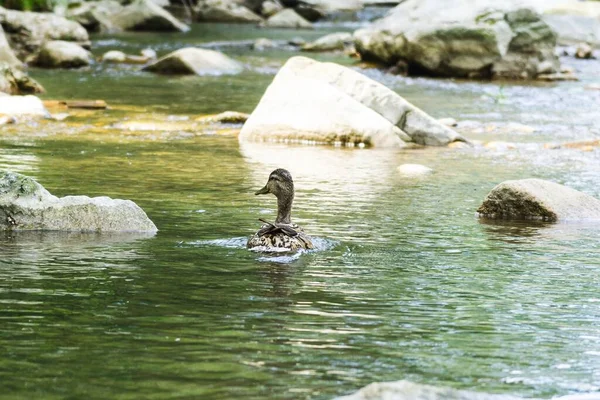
x,y
264,190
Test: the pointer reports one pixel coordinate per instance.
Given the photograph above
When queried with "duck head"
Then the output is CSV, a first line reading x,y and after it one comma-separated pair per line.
x,y
280,184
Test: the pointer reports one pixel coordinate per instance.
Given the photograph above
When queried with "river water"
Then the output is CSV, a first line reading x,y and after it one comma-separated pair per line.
x,y
406,282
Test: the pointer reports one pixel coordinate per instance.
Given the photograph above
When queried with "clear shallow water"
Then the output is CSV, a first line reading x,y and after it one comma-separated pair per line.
x,y
408,284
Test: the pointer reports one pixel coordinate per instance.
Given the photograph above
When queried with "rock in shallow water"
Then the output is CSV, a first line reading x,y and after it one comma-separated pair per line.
x,y
479,38
192,60
405,390
17,106
287,18
62,54
26,205
414,170
537,199
327,103
145,15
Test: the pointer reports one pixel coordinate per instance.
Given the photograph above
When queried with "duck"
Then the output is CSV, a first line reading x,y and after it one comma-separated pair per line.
x,y
281,235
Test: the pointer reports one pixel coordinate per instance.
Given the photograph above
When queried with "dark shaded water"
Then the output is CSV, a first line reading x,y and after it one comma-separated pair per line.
x,y
407,283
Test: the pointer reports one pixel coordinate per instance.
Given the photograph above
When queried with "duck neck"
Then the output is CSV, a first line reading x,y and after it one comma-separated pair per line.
x,y
284,208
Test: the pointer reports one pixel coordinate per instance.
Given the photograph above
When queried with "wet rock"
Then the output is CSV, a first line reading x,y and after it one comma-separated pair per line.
x,y
263,44
18,106
95,16
557,77
148,54
331,42
114,56
118,57
61,54
7,56
334,104
405,390
144,15
15,81
224,11
26,205
314,10
584,51
227,117
538,199
192,60
479,39
28,31
270,8
414,170
287,18
584,145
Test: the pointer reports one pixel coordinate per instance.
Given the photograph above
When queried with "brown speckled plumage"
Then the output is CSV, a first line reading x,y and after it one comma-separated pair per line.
x,y
282,235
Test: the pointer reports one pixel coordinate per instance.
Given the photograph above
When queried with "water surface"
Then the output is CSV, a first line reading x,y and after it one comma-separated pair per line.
x,y
407,282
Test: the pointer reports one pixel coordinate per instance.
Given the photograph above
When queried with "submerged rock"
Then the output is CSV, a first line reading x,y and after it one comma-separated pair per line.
x,y
414,170
28,31
224,11
192,60
328,103
287,18
405,390
15,81
331,42
17,106
61,54
145,15
26,205
476,39
539,200
227,117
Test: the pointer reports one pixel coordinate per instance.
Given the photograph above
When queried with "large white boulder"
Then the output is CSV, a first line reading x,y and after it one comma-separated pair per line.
x,y
192,60
95,16
17,106
288,19
145,15
26,205
328,103
224,11
473,38
538,199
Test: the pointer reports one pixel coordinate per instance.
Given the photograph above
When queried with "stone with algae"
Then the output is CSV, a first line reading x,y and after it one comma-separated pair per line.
x,y
537,199
27,205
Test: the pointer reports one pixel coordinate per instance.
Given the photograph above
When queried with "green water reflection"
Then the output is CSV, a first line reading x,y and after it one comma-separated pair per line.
x,y
407,283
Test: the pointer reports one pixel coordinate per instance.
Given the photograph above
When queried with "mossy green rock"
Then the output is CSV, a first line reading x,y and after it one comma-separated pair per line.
x,y
26,205
477,39
537,199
